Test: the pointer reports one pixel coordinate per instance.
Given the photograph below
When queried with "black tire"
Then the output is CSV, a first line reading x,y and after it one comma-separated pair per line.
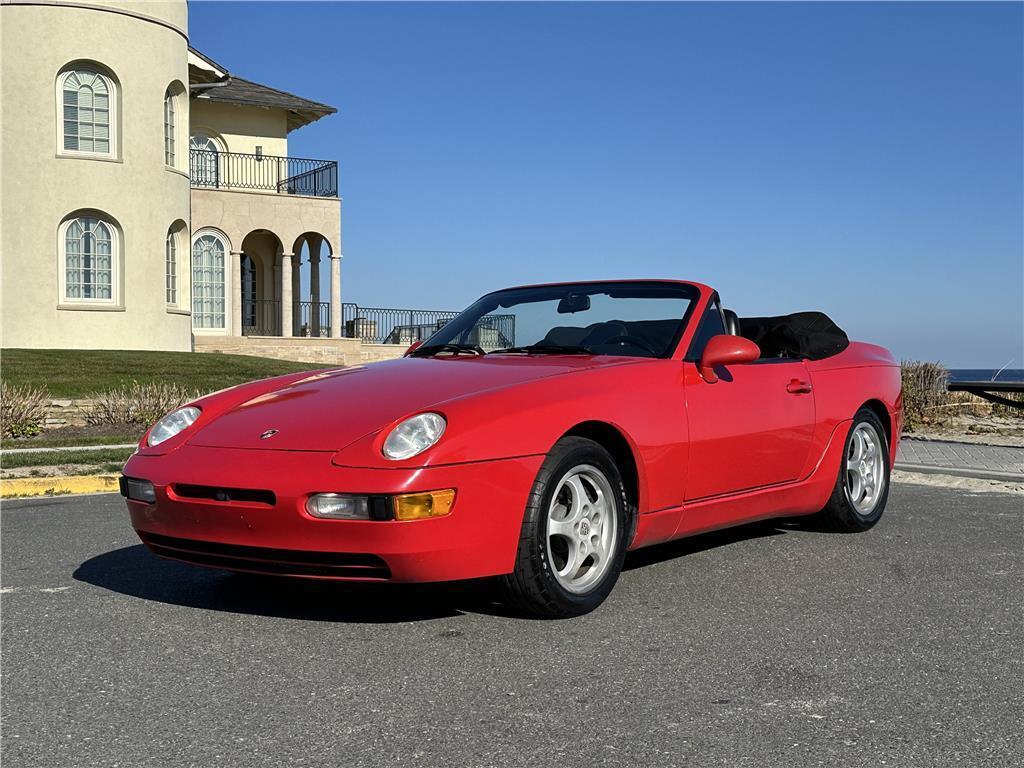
x,y
840,513
532,588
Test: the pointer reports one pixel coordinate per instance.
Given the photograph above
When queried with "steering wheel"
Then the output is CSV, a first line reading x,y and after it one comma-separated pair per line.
x,y
624,338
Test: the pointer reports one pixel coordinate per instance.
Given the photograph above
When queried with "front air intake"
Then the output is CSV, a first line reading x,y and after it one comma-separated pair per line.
x,y
216,493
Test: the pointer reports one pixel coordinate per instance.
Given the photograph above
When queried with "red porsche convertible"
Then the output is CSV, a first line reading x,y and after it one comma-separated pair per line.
x,y
536,437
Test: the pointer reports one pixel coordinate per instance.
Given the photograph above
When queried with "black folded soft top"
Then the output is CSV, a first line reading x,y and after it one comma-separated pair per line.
x,y
807,335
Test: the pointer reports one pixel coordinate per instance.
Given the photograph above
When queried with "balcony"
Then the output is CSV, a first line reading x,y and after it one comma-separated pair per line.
x,y
263,173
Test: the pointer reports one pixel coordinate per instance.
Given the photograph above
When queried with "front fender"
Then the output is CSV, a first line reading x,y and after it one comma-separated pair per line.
x,y
528,419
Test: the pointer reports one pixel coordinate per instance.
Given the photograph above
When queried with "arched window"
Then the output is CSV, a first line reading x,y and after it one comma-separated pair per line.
x,y
88,102
209,257
169,128
89,254
204,160
171,268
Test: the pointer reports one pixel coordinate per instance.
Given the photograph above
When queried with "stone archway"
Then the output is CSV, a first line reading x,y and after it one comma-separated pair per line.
x,y
316,306
256,290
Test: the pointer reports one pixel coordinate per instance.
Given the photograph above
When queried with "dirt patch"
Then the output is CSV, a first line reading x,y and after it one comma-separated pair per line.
x,y
978,430
94,434
963,483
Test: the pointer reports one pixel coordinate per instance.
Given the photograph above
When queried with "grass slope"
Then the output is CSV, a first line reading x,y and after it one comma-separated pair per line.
x,y
73,373
101,457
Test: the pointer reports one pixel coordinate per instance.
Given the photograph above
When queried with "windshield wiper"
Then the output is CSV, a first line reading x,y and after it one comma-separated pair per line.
x,y
548,349
433,349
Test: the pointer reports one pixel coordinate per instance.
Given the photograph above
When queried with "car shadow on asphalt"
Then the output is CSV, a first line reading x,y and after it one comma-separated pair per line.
x,y
137,572
705,541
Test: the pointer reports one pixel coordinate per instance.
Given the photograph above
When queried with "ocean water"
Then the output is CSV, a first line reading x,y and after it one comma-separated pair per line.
x,y
986,374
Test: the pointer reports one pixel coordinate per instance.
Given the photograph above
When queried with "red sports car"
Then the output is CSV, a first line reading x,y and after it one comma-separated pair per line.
x,y
536,437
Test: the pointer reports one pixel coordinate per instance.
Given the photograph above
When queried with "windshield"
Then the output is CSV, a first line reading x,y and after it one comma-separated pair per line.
x,y
627,319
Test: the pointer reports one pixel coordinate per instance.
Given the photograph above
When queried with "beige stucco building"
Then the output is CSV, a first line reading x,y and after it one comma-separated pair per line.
x,y
155,187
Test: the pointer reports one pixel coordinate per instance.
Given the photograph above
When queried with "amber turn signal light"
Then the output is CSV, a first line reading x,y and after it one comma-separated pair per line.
x,y
419,506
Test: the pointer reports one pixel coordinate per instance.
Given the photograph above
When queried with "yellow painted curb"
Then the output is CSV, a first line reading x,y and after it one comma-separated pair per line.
x,y
57,486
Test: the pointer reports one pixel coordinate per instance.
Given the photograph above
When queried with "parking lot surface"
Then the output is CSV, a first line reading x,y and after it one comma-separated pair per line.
x,y
768,645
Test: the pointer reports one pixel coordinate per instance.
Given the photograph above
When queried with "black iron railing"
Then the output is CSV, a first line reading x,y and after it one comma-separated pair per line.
x,y
261,317
377,325
373,325
284,175
314,319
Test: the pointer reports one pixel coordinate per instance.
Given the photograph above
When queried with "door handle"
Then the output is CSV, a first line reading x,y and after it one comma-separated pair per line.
x,y
798,387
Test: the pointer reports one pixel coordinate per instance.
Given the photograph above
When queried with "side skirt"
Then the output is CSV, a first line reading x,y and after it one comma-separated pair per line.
x,y
801,497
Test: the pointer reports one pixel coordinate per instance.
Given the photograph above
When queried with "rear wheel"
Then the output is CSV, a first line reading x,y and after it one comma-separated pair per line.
x,y
572,542
862,488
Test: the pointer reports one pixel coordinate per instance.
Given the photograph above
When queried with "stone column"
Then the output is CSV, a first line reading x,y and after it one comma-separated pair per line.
x,y
287,311
314,293
236,293
336,329
296,301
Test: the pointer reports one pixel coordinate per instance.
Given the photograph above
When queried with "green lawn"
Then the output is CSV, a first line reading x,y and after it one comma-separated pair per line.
x,y
102,457
67,373
120,434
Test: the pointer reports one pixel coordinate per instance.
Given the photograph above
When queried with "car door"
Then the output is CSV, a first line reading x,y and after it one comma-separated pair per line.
x,y
751,428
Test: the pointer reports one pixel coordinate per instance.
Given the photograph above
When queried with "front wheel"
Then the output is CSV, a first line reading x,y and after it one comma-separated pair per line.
x,y
573,538
862,488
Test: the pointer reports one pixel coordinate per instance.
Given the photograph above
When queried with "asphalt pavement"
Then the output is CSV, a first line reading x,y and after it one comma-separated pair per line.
x,y
767,645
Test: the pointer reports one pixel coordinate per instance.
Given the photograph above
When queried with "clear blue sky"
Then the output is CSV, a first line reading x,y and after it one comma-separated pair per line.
x,y
863,159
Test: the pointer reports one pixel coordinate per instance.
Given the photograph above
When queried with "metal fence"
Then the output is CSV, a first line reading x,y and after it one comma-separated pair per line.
x,y
373,325
285,175
314,319
378,325
261,317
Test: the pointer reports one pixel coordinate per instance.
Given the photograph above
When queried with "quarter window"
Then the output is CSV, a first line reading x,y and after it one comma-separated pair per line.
x,y
89,244
208,261
86,100
711,324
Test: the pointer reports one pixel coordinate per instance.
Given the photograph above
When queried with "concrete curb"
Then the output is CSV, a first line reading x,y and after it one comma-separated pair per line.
x,y
23,487
977,474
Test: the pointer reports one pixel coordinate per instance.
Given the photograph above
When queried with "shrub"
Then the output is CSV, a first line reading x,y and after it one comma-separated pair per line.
x,y
137,403
1009,410
926,401
22,410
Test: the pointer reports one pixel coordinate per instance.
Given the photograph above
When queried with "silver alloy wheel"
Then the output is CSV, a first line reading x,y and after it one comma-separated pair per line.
x,y
581,528
865,469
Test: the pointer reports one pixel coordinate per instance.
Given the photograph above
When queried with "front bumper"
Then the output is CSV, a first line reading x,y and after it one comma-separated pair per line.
x,y
276,535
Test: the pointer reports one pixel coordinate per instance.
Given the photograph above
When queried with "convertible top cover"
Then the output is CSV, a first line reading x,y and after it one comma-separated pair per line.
x,y
807,335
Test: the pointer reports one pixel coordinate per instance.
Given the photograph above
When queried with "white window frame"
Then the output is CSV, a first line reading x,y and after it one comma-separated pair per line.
x,y
228,298
172,273
113,113
207,182
170,129
115,263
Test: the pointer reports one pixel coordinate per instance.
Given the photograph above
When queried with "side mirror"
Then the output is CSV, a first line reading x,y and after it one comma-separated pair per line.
x,y
725,350
413,347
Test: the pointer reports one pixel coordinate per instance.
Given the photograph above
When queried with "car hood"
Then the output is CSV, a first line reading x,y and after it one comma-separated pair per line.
x,y
330,410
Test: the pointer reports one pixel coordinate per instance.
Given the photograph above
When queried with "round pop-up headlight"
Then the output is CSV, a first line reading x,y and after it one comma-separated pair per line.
x,y
173,423
414,435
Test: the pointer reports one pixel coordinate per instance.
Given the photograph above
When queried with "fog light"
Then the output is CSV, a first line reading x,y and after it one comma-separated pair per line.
x,y
339,506
138,490
417,506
